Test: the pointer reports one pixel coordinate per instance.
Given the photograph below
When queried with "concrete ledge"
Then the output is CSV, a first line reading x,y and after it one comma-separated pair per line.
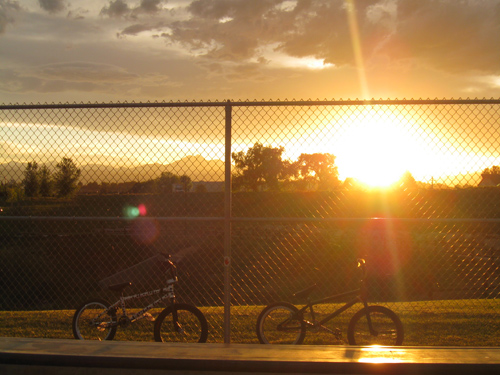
x,y
50,356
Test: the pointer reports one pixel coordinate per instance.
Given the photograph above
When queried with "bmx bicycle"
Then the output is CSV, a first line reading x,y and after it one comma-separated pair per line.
x,y
283,323
178,322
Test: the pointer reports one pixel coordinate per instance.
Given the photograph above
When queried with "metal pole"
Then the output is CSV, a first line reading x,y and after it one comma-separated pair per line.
x,y
227,228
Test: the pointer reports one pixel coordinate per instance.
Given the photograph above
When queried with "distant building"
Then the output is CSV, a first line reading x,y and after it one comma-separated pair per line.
x,y
178,188
490,179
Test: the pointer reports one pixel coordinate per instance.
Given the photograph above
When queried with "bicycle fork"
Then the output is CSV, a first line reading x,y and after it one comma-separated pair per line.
x,y
369,320
175,322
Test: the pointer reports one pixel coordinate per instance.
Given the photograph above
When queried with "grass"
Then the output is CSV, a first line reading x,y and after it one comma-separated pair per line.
x,y
435,323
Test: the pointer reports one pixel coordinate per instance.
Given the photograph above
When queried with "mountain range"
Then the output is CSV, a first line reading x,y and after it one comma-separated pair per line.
x,y
194,166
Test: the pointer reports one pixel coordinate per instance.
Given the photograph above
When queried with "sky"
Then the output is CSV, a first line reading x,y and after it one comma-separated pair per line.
x,y
65,51
90,51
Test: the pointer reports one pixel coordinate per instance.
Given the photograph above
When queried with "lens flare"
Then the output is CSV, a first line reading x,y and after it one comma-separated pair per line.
x,y
134,211
142,210
145,231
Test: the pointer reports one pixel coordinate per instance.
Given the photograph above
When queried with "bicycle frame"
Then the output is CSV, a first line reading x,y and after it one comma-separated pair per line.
x,y
361,297
348,305
121,303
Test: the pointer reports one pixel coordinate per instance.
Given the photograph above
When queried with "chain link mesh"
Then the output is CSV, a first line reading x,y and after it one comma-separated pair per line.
x,y
152,179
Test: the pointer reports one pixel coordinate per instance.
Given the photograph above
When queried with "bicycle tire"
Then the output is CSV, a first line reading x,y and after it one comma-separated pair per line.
x,y
275,314
385,322
86,327
193,325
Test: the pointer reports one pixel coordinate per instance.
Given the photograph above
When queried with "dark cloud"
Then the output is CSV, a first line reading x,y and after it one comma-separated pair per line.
x,y
150,6
52,6
136,29
450,35
117,8
447,34
7,9
120,8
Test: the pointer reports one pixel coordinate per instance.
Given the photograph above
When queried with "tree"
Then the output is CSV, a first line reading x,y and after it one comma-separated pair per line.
x,y
66,178
31,181
407,181
15,193
46,183
260,167
319,170
166,182
186,182
147,187
104,189
493,170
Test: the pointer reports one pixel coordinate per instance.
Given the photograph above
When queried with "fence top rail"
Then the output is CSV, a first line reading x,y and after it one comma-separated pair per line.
x,y
255,219
253,103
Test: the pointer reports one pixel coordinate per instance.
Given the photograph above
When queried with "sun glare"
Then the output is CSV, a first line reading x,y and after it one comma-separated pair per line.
x,y
375,150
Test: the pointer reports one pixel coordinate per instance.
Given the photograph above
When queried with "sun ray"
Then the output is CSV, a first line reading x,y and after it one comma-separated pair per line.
x,y
356,47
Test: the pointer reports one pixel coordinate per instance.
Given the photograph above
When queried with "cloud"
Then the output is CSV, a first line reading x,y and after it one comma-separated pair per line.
x,y
150,6
7,8
446,34
450,35
52,6
138,28
117,8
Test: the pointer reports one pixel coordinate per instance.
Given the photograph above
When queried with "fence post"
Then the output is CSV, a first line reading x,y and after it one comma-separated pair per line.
x,y
227,227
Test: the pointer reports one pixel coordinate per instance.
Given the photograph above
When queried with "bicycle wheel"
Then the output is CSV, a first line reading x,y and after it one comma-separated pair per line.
x,y
92,321
191,325
281,323
387,328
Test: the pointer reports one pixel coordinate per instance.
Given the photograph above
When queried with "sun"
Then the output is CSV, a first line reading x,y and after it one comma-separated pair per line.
x,y
376,150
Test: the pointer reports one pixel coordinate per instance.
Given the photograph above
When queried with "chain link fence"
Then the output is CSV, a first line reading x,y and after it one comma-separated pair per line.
x,y
90,193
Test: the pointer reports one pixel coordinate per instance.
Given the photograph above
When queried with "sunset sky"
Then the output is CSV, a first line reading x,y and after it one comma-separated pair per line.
x,y
56,51
88,51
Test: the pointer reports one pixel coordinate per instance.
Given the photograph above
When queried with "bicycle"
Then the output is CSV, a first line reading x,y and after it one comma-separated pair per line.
x,y
283,323
178,322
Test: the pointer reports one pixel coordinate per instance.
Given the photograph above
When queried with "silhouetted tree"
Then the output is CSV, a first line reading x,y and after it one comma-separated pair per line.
x,y
319,170
166,181
186,182
260,167
104,188
15,193
406,181
31,181
147,187
46,182
66,178
493,170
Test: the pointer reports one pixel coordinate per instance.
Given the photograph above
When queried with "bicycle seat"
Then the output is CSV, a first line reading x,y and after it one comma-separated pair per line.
x,y
119,287
304,293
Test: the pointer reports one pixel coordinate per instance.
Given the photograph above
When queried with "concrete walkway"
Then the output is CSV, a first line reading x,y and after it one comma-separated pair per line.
x,y
50,356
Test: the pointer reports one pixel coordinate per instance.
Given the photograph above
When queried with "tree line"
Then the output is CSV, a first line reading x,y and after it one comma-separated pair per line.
x,y
263,168
260,168
40,181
